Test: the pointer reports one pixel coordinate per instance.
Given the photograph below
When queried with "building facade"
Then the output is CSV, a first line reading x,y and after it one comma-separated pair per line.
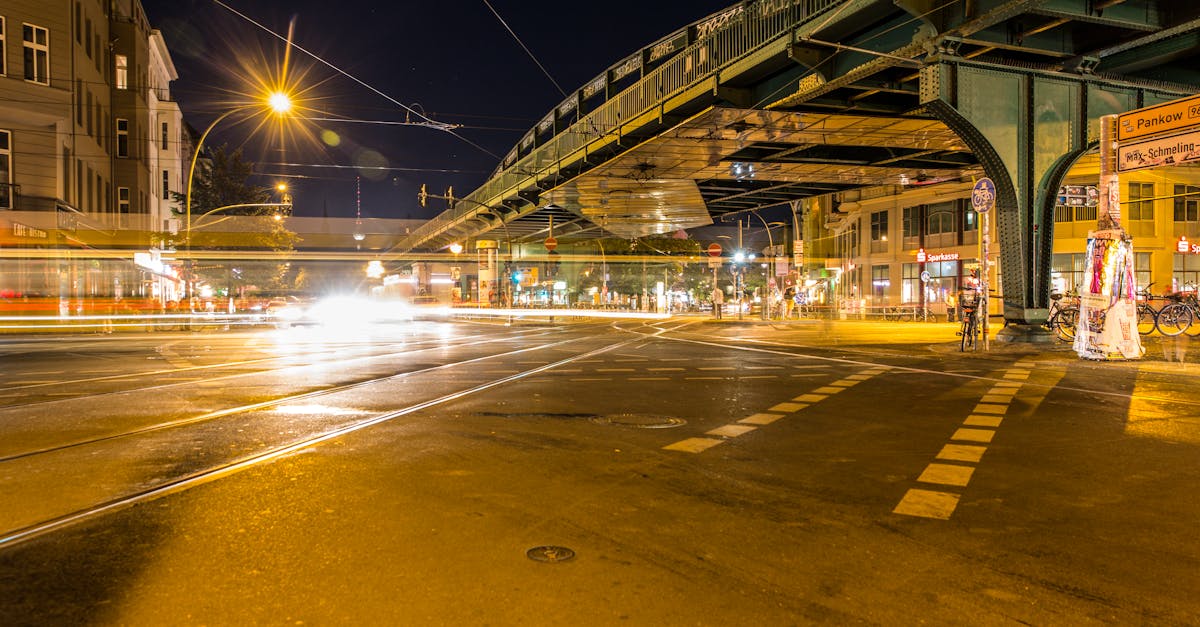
x,y
89,141
916,245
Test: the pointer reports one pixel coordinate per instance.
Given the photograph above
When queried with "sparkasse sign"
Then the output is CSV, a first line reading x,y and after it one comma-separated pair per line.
x,y
1162,118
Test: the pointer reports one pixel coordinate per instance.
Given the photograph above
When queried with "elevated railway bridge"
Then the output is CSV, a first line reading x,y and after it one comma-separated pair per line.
x,y
775,101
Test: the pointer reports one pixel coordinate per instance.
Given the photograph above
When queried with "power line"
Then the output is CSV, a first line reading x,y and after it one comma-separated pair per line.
x,y
441,126
526,49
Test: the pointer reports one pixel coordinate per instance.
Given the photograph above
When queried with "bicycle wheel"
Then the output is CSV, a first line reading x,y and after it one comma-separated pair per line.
x,y
1065,321
967,331
1194,328
1174,319
1146,319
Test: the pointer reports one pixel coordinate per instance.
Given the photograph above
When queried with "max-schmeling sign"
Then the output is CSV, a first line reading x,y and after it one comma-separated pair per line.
x,y
1173,150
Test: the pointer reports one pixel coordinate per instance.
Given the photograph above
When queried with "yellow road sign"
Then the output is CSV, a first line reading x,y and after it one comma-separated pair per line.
x,y
1163,118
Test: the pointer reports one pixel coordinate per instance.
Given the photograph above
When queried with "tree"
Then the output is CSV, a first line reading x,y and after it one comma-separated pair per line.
x,y
223,178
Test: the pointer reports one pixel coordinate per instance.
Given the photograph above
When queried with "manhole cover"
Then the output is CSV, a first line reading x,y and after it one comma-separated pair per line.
x,y
550,554
640,421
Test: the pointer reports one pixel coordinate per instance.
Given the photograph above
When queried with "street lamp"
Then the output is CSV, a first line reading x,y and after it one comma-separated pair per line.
x,y
279,103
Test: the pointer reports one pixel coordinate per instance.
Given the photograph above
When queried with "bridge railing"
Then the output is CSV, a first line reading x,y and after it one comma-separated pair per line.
x,y
747,26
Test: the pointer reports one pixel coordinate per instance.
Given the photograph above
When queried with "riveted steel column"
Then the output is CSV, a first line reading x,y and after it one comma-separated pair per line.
x,y
1026,128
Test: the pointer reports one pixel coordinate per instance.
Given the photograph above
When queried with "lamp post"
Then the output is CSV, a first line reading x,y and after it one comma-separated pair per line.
x,y
280,103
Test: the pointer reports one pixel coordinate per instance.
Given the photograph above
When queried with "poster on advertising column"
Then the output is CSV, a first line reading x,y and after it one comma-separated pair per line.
x,y
1107,326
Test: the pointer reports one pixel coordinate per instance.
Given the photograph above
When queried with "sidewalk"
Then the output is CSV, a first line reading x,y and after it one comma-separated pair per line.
x,y
1165,352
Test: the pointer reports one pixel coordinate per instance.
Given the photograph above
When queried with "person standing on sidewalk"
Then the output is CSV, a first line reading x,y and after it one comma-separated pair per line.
x,y
718,299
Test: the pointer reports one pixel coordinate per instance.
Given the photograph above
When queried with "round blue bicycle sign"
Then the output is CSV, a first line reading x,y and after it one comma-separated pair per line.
x,y
983,195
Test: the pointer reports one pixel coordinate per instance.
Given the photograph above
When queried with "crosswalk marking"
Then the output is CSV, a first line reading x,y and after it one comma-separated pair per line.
x,y
927,504
761,419
693,445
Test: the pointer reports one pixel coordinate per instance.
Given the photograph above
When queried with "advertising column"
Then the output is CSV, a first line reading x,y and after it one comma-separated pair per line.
x,y
489,289
1107,326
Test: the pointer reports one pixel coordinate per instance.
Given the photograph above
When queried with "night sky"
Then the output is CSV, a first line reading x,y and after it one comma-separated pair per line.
x,y
453,60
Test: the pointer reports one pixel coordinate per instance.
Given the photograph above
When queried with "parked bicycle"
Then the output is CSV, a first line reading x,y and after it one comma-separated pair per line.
x,y
1178,315
1064,316
968,306
1147,315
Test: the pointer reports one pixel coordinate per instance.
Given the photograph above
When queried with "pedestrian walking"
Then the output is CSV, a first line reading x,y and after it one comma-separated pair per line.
x,y
789,301
718,299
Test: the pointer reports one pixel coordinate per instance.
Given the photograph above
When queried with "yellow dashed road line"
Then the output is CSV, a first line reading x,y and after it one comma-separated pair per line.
x,y
777,412
979,427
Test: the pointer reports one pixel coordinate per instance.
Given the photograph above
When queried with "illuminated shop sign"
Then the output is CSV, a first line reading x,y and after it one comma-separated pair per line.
x,y
1186,247
924,257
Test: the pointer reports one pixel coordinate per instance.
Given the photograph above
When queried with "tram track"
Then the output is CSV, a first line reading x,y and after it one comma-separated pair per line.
x,y
425,345
109,503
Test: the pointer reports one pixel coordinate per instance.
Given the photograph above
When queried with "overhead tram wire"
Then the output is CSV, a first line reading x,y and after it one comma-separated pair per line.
x,y
526,49
431,123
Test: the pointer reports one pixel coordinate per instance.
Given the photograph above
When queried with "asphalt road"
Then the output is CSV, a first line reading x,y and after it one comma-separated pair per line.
x,y
685,472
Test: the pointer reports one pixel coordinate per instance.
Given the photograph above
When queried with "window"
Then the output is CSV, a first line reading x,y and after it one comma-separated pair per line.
x,y
941,225
122,200
1141,269
3,53
1066,271
910,285
87,36
941,218
122,62
166,186
79,102
1187,203
1186,275
88,112
970,222
879,231
880,283
37,54
911,226
78,24
6,195
165,135
122,137
1139,207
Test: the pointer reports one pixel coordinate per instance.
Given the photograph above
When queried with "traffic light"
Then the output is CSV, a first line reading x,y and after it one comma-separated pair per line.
x,y
422,195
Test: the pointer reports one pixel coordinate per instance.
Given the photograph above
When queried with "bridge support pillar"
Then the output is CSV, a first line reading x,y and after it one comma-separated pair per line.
x,y
1027,127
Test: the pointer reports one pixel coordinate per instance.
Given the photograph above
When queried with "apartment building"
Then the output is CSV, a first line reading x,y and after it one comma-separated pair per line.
x,y
89,137
914,244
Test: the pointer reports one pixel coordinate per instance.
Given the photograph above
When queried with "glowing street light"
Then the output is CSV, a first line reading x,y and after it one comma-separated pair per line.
x,y
456,248
280,103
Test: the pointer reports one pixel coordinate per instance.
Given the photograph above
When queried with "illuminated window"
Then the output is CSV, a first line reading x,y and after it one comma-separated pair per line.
x,y
122,137
37,54
879,231
122,71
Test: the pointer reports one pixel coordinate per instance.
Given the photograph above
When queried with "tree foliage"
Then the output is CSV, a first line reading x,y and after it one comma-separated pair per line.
x,y
224,178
